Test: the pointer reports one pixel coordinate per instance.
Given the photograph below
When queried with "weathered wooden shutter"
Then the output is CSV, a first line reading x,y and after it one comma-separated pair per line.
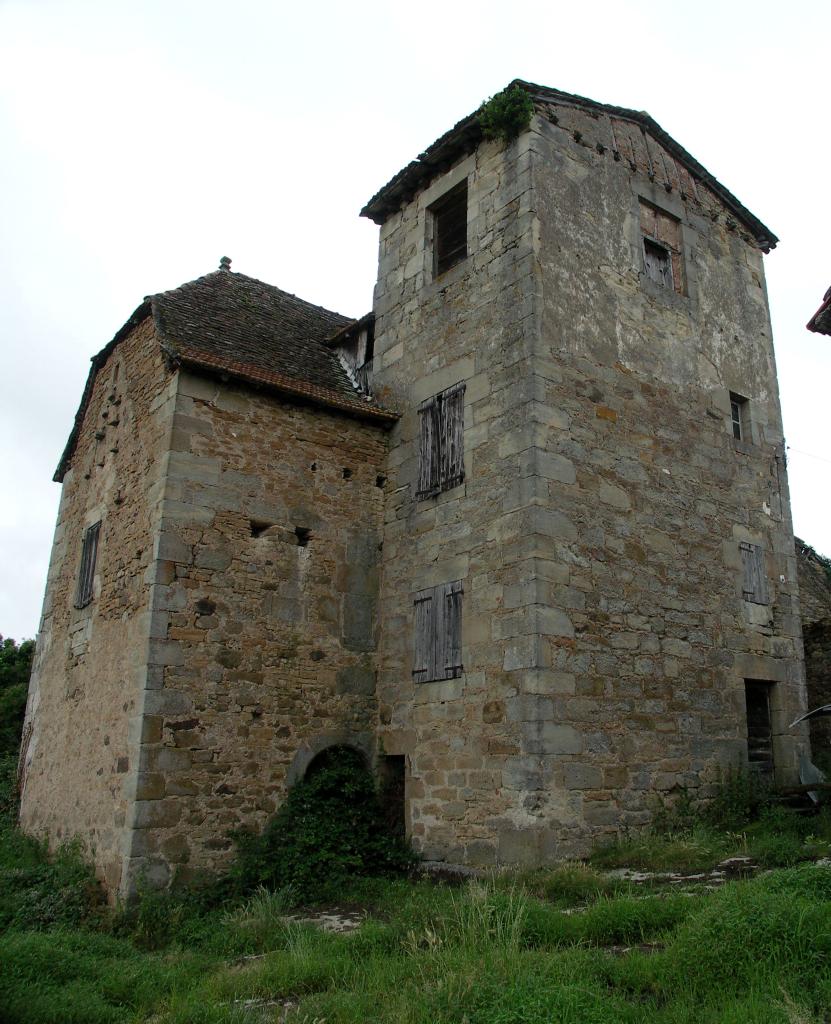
x,y
424,655
428,448
657,263
452,629
755,582
452,432
86,574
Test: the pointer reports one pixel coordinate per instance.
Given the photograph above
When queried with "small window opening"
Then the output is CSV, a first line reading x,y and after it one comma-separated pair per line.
x,y
259,526
450,229
380,481
757,695
739,417
313,467
303,534
347,473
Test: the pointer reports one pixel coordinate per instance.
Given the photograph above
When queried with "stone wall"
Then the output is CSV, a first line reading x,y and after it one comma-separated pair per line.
x,y
605,638
815,600
84,710
264,617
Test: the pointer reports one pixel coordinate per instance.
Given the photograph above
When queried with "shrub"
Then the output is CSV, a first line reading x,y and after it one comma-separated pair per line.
x,y
506,114
740,799
330,827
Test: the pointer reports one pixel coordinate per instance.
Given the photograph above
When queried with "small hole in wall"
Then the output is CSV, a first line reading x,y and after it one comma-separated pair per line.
x,y
313,467
257,713
259,526
347,473
380,481
205,606
302,534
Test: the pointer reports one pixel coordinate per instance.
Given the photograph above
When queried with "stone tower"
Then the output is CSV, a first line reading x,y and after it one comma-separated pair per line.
x,y
621,536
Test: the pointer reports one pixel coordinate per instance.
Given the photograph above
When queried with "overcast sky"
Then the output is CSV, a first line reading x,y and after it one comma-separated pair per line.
x,y
141,141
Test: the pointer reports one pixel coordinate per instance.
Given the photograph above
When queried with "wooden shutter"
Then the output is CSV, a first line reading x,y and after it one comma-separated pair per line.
x,y
424,655
755,582
452,630
428,448
452,432
657,263
86,574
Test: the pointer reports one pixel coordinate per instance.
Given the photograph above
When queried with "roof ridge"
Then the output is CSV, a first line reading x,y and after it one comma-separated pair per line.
x,y
235,274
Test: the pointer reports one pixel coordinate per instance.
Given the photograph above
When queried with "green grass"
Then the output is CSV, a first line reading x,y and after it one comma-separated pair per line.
x,y
566,945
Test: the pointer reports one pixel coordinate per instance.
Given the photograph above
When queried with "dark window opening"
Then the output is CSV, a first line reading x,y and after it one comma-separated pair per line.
x,y
86,574
347,473
754,573
380,481
441,442
438,633
303,534
259,526
739,417
450,229
757,696
392,770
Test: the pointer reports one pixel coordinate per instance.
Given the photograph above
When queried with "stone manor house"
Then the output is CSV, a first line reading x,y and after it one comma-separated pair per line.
x,y
521,534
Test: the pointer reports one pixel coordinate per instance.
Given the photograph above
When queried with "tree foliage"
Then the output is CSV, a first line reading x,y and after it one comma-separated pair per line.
x,y
15,668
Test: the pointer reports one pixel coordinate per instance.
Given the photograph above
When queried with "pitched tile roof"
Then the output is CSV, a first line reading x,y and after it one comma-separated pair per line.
x,y
466,135
244,329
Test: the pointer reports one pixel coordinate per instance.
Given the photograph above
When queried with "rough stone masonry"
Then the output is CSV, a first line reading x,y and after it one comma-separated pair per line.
x,y
521,535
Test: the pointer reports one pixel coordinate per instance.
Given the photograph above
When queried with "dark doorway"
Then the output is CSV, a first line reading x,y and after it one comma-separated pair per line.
x,y
392,770
759,727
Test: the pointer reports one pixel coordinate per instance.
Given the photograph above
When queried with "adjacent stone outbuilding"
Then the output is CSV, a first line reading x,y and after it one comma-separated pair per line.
x,y
522,534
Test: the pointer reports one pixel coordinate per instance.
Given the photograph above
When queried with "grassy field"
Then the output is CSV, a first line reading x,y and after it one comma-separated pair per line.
x,y
568,946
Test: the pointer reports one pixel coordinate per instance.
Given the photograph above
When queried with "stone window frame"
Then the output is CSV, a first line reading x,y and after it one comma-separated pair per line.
x,y
437,633
463,171
740,418
671,206
446,214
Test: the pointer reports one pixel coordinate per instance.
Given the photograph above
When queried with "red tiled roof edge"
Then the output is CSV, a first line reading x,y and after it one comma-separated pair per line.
x,y
249,374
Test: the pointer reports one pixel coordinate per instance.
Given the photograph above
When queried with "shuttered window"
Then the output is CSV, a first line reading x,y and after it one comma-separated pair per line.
x,y
441,455
657,264
450,229
755,582
663,260
86,574
438,633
